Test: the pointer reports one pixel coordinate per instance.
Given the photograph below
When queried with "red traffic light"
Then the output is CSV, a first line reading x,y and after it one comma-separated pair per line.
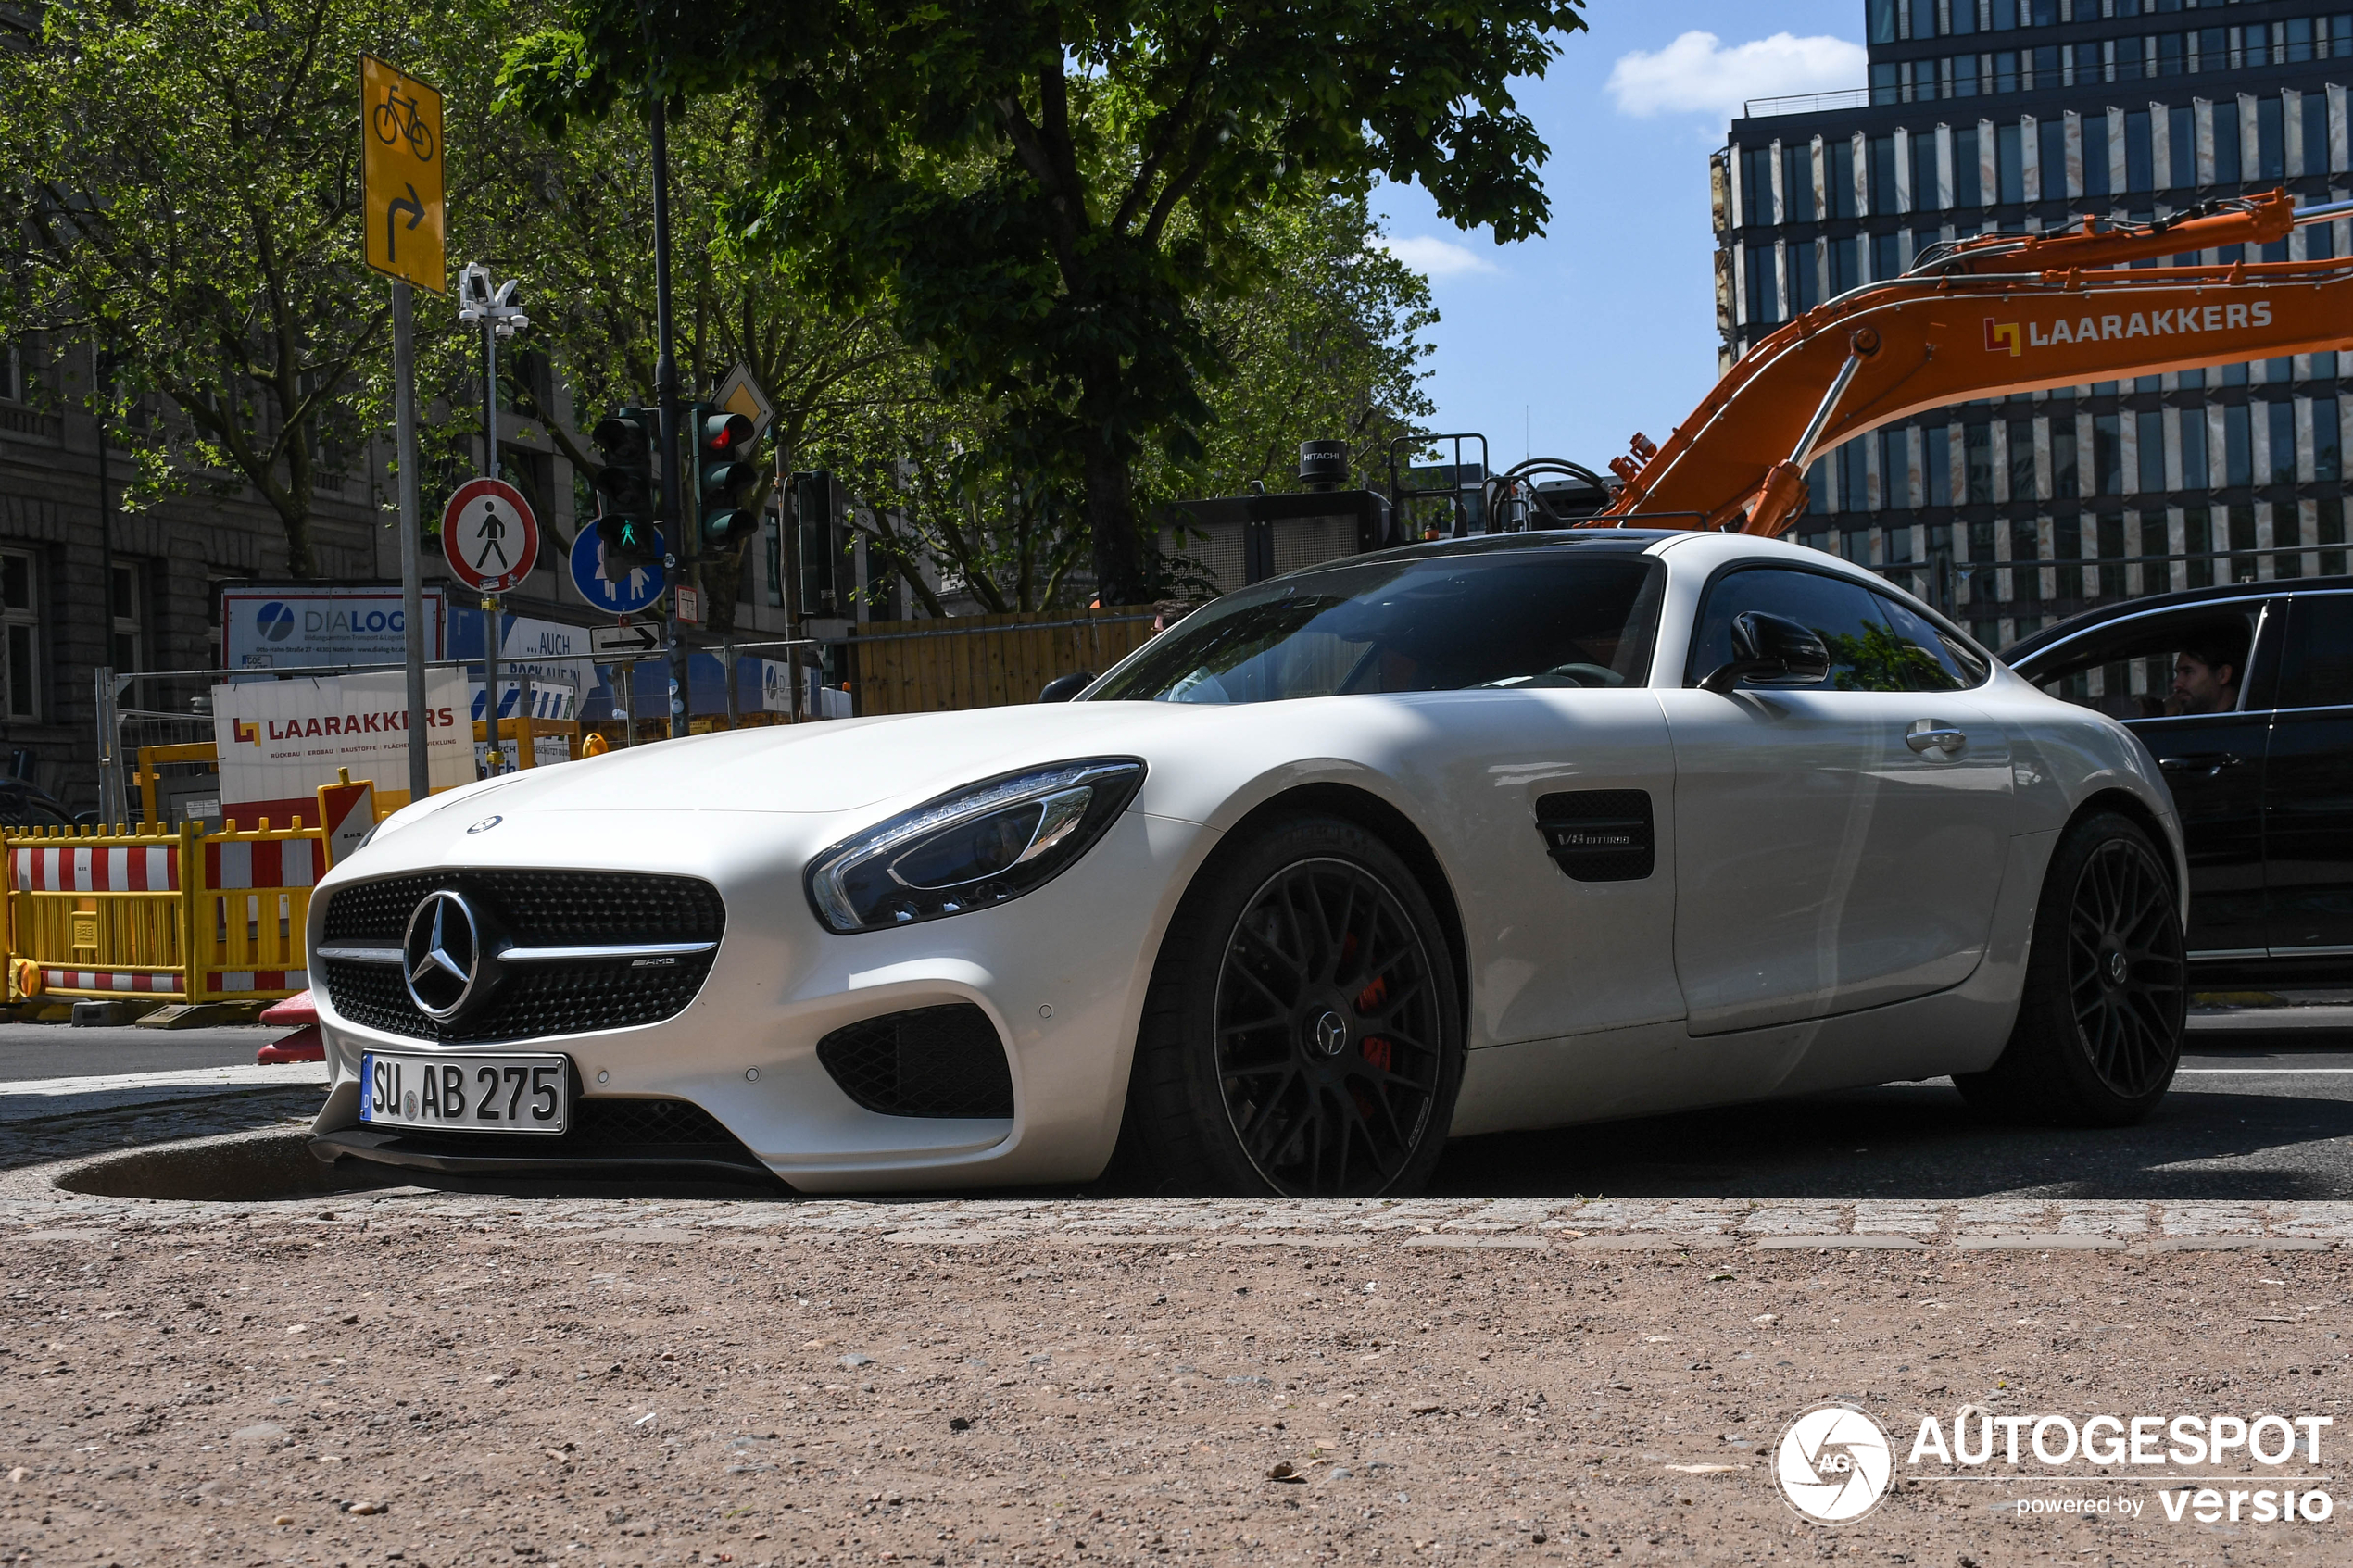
x,y
722,432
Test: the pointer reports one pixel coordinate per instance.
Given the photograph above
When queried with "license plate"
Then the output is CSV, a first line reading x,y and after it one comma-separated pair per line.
x,y
472,1094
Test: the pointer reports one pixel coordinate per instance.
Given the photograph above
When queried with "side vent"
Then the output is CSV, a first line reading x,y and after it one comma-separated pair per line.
x,y
926,1061
1599,834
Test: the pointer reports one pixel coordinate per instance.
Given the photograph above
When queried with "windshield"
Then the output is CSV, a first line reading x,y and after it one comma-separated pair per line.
x,y
1557,618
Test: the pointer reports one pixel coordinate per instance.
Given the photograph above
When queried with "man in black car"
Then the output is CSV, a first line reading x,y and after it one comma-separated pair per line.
x,y
2206,679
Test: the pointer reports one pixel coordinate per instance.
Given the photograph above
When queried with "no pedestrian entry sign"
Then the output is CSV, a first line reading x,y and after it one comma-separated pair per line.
x,y
489,536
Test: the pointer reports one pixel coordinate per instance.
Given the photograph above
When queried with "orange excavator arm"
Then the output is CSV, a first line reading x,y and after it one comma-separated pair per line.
x,y
1985,317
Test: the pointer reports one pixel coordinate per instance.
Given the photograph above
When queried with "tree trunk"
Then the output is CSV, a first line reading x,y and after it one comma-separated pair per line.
x,y
1111,522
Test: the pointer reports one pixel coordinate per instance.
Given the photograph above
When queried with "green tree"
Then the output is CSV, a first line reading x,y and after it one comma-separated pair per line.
x,y
182,177
1048,196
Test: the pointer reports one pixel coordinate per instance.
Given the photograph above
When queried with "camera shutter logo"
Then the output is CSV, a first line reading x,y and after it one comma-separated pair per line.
x,y
1833,1464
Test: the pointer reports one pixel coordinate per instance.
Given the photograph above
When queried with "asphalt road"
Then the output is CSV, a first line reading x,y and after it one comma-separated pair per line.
x,y
2262,1111
2255,1114
60,1050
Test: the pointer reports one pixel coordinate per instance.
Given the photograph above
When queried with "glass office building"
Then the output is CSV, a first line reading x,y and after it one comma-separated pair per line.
x,y
2018,115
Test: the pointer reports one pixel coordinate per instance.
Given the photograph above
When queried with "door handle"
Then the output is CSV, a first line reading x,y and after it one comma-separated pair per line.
x,y
1925,736
2207,763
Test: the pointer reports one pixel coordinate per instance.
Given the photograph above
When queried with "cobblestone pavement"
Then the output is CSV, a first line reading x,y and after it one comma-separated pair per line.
x,y
30,1204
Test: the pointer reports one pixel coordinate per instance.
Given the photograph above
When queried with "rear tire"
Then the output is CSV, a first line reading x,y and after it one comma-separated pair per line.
x,y
2099,1023
1303,1035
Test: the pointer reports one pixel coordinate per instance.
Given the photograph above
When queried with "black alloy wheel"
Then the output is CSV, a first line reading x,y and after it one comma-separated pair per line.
x,y
2098,1031
1327,1055
2126,969
1303,1035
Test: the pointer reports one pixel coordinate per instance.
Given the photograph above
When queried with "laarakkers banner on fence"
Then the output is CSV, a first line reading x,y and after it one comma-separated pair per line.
x,y
280,741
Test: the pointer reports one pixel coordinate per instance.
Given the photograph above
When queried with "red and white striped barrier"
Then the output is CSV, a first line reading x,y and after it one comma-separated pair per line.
x,y
68,868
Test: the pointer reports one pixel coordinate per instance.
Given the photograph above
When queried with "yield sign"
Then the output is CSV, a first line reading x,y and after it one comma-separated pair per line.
x,y
489,536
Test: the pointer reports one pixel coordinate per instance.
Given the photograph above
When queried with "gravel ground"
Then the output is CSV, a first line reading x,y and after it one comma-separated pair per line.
x,y
396,1378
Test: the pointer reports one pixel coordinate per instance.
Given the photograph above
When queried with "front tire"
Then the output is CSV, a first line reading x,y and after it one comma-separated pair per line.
x,y
2099,1023
1302,1036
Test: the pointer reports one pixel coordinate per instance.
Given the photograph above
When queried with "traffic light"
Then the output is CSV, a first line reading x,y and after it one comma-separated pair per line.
x,y
817,506
725,477
627,509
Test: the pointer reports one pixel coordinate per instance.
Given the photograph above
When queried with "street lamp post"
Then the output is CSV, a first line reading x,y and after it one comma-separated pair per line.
x,y
494,311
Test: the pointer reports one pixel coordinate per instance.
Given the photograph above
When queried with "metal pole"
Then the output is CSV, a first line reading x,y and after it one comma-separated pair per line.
x,y
109,783
413,591
490,634
735,699
674,514
628,677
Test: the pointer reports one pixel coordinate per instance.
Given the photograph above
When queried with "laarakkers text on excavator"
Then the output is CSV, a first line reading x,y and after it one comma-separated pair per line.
x,y
1983,318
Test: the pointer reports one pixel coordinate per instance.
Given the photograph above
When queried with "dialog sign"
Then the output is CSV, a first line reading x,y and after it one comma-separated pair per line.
x,y
400,175
489,536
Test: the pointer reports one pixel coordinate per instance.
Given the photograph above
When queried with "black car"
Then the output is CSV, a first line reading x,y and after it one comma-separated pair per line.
x,y
2258,753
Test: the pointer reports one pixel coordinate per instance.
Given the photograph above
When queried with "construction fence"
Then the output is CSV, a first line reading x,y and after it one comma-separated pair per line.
x,y
988,661
160,915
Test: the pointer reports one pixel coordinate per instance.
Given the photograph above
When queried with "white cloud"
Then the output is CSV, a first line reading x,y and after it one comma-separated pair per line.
x,y
1698,74
1435,257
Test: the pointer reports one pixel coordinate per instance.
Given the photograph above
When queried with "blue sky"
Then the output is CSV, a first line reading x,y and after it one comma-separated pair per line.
x,y
1568,344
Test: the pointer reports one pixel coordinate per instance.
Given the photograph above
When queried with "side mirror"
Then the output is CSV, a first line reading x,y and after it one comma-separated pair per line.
x,y
1770,648
1061,688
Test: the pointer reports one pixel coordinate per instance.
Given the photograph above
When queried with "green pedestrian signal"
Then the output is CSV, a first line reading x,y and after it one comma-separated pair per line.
x,y
627,509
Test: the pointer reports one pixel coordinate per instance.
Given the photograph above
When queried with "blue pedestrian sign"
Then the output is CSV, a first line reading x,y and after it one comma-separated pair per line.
x,y
633,590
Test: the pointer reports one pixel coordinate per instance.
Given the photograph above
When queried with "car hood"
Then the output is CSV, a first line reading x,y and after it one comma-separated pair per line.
x,y
840,765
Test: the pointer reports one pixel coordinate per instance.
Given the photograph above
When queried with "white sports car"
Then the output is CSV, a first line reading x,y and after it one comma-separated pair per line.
x,y
1496,833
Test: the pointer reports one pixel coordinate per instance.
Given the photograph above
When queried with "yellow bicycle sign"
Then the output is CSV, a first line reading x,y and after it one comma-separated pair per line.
x,y
402,220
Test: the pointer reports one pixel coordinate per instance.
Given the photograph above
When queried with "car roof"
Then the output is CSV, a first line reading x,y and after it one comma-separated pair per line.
x,y
1612,541
2026,648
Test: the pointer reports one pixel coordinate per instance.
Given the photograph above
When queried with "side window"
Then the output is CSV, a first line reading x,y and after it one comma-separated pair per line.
x,y
1931,659
2161,666
1862,652
2318,670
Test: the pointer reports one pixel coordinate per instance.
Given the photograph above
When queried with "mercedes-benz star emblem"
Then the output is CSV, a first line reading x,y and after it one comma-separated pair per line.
x,y
1331,1034
442,955
485,824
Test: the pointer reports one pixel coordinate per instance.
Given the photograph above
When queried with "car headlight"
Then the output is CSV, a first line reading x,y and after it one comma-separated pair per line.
x,y
974,849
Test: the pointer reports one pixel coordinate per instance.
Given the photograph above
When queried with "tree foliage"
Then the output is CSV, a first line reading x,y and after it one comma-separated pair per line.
x,y
1049,196
184,178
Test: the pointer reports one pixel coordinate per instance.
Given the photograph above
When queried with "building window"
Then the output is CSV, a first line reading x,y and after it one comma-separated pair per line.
x,y
2282,422
2010,163
2140,153
1797,183
2328,455
2271,142
128,647
2108,454
1925,195
2152,452
2054,159
1882,22
1882,171
2314,110
1887,257
2022,483
2196,473
1838,170
2226,115
2238,447
2066,480
1846,270
11,373
1854,488
1756,186
1964,17
1976,448
1968,186
1805,278
21,645
1762,289
1895,468
1936,466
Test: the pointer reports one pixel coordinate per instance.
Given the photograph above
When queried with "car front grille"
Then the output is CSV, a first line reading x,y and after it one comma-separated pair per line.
x,y
926,1061
541,910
